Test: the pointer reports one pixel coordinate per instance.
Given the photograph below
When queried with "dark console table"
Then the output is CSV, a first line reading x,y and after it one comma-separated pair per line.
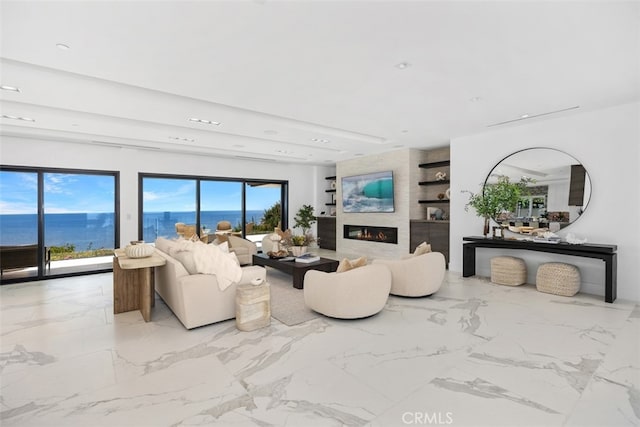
x,y
607,253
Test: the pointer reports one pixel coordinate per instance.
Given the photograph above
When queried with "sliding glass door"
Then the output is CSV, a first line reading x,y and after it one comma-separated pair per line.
x,y
167,205
19,248
184,206
79,221
220,201
264,208
56,222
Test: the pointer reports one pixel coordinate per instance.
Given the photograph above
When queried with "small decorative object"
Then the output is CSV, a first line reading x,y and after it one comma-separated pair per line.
x,y
333,185
257,281
574,240
275,238
440,196
441,176
298,250
497,232
448,193
139,251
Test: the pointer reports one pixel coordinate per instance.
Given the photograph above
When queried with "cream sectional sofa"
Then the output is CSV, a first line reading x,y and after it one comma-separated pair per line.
x,y
196,299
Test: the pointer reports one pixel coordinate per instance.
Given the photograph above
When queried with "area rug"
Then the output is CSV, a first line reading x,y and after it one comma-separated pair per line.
x,y
287,302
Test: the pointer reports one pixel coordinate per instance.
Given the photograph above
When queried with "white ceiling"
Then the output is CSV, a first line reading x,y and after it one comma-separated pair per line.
x,y
277,74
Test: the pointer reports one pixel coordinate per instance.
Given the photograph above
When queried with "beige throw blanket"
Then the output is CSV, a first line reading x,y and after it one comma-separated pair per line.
x,y
209,259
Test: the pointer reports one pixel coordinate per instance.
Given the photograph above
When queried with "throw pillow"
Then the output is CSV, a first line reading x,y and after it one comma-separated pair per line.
x,y
164,245
422,248
187,260
349,264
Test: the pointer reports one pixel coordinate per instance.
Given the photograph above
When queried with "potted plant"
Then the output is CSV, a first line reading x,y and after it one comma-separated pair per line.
x,y
496,198
304,219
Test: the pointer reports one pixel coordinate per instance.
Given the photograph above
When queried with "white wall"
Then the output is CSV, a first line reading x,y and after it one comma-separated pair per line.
x,y
304,180
398,162
607,143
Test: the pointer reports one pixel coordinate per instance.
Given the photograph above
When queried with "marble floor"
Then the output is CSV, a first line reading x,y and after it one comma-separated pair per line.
x,y
475,354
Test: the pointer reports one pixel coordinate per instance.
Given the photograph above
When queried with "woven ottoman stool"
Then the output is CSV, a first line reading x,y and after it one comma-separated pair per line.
x,y
508,270
558,278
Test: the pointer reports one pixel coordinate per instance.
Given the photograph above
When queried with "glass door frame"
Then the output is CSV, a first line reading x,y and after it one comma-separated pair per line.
x,y
284,195
41,171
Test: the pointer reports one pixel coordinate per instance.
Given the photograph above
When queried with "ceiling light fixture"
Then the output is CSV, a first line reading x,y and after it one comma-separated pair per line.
x,y
403,65
10,88
62,46
206,122
25,119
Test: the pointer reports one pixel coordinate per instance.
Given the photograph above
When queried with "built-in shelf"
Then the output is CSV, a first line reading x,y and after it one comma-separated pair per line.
x,y
329,204
435,164
333,190
330,177
444,181
434,201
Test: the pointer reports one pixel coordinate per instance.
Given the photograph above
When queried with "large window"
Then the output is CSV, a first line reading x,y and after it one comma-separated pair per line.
x,y
56,222
19,224
183,206
165,203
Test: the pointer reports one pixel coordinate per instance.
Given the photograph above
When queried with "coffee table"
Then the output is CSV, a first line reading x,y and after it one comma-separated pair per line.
x,y
296,269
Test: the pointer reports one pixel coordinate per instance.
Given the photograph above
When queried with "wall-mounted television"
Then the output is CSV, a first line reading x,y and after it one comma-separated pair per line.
x,y
372,192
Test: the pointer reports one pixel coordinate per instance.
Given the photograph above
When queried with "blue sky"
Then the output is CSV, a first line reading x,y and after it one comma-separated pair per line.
x,y
178,195
74,193
64,193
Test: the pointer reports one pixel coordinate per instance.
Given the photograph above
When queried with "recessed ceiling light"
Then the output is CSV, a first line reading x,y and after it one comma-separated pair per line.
x,y
475,99
206,122
402,65
26,119
284,151
324,141
62,46
10,88
405,131
524,116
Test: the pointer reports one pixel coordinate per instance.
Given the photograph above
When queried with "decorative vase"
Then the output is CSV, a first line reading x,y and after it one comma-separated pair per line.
x,y
139,251
486,226
298,250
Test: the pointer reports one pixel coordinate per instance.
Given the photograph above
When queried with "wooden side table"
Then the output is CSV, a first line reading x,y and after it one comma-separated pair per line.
x,y
253,306
133,283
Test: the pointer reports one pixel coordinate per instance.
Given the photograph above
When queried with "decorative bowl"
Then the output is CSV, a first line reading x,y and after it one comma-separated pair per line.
x,y
139,251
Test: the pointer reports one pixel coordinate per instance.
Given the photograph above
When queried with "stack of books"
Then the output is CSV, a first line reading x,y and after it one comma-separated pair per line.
x,y
307,258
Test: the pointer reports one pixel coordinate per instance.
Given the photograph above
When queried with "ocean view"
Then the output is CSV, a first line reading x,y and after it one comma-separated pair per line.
x,y
96,230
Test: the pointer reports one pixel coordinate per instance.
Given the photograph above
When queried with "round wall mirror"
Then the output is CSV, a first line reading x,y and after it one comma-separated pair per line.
x,y
557,194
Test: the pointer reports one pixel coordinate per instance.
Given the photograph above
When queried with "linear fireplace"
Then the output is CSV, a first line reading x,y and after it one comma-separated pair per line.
x,y
371,233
